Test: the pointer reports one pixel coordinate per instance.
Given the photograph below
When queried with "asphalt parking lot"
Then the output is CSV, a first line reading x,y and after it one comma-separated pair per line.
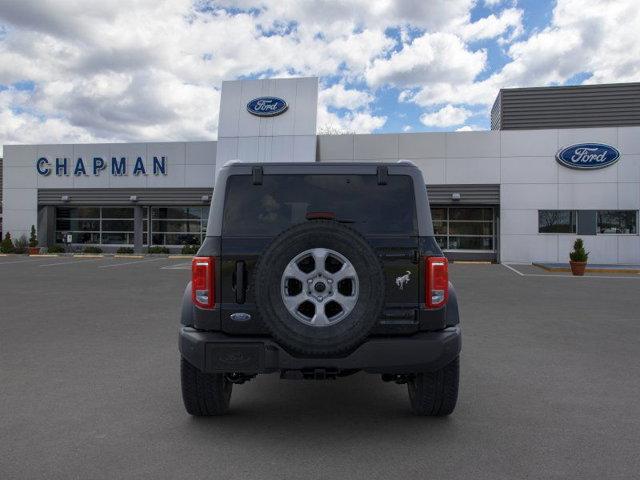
x,y
89,385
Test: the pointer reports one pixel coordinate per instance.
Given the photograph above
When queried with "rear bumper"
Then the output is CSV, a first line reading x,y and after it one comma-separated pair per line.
x,y
217,352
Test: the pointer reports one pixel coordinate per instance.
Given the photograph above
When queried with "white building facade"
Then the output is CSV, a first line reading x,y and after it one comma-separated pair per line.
x,y
500,195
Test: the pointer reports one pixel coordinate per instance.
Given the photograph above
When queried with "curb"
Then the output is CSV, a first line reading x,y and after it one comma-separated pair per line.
x,y
589,270
88,255
122,255
180,256
45,255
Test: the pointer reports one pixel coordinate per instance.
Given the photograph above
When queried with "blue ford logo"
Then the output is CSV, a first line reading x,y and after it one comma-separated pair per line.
x,y
588,156
267,106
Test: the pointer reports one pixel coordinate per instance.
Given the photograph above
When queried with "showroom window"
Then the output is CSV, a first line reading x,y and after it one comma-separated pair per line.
x,y
557,221
178,225
95,225
618,221
463,228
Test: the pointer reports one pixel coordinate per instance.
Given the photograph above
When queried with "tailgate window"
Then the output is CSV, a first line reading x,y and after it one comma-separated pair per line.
x,y
285,200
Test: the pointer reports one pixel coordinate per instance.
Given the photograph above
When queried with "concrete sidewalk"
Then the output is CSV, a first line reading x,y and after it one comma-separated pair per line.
x,y
591,268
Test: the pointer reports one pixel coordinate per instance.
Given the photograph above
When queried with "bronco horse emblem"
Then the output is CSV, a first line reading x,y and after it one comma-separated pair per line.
x,y
402,280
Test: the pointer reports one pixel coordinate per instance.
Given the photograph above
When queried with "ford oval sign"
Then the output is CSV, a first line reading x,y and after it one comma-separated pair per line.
x,y
267,106
588,156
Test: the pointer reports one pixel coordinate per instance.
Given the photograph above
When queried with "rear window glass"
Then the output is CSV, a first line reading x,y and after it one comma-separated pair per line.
x,y
285,200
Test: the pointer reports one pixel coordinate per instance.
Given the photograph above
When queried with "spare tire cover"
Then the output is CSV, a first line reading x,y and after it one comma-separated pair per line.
x,y
319,287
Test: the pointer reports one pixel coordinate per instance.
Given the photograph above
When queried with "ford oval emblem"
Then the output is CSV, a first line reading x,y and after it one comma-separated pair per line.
x,y
240,317
588,156
267,106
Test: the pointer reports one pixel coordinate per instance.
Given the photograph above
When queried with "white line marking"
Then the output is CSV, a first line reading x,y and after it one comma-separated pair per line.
x,y
129,263
180,266
70,263
513,269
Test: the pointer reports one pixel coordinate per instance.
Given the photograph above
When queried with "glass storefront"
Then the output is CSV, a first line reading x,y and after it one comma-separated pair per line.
x,y
178,225
95,225
464,228
169,226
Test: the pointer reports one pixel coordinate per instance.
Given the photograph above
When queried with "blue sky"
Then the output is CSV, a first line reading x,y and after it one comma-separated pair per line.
x,y
77,71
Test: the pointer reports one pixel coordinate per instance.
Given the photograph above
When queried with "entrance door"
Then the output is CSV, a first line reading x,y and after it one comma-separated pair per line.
x,y
466,232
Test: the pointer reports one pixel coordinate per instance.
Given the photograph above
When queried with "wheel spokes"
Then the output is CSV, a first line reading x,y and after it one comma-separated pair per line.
x,y
319,258
293,271
346,271
346,302
293,302
320,318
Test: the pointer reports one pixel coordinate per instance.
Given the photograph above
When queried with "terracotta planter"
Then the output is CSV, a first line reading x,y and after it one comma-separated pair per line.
x,y
34,250
578,268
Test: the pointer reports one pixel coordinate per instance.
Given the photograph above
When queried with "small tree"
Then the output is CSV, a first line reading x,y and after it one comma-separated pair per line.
x,y
579,254
33,238
7,244
20,245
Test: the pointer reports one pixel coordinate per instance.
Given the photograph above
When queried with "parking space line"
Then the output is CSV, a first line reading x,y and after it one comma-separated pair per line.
x,y
513,269
179,266
129,263
71,263
620,277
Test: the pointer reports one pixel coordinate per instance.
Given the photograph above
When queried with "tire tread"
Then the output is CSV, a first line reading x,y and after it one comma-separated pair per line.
x,y
204,394
435,394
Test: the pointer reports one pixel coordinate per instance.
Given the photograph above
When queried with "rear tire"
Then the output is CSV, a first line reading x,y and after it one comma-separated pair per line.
x,y
434,394
204,394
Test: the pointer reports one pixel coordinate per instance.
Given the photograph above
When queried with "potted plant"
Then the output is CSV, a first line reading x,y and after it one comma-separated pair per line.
x,y
578,258
33,242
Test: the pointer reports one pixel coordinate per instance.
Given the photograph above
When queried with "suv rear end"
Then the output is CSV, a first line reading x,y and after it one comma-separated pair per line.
x,y
317,271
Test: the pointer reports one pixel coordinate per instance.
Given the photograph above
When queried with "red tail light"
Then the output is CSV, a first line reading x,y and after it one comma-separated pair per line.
x,y
202,282
437,281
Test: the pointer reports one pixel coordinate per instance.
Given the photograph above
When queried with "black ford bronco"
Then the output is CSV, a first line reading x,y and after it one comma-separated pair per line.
x,y
315,271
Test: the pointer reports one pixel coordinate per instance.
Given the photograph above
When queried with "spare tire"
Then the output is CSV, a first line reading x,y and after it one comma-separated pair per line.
x,y
319,288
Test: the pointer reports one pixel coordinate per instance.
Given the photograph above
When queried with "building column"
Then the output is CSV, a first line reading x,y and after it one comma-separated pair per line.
x,y
138,228
46,229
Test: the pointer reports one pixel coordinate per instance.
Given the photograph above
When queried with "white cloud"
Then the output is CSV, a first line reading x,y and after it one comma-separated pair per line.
x,y
447,116
407,128
433,57
151,69
469,128
351,122
583,37
509,20
338,96
492,3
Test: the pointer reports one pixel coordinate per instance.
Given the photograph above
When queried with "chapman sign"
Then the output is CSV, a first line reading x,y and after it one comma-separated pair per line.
x,y
267,106
588,156
96,165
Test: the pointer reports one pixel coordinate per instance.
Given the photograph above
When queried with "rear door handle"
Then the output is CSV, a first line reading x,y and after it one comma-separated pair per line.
x,y
241,287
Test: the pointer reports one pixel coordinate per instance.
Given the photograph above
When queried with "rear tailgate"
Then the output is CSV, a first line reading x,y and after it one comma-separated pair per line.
x,y
384,212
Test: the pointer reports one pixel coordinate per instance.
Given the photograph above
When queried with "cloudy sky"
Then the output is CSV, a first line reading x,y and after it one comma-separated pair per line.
x,y
125,70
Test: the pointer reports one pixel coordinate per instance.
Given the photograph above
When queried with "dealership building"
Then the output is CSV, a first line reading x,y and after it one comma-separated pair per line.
x,y
559,163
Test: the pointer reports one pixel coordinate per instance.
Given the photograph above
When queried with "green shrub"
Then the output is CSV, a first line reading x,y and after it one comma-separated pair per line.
x,y
55,249
579,254
92,249
158,249
190,249
21,244
33,238
125,251
7,244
